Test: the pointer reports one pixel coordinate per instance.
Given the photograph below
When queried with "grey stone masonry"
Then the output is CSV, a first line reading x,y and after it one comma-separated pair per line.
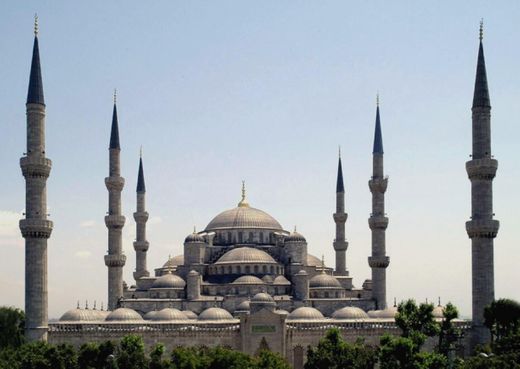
x,y
482,228
340,218
114,260
141,245
378,222
36,228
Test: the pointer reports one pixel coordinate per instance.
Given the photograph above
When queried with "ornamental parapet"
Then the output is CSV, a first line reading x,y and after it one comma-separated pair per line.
x,y
378,222
485,168
115,260
35,166
36,228
378,261
141,245
141,216
115,183
340,217
114,221
482,228
378,184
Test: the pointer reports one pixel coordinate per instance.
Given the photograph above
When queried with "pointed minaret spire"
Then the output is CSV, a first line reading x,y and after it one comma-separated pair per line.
x,y
141,188
481,92
114,132
141,245
339,183
340,217
378,136
35,91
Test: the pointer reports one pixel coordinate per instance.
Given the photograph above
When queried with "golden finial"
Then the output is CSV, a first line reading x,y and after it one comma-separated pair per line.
x,y
86,304
115,96
481,31
35,25
77,306
243,202
322,263
377,99
94,304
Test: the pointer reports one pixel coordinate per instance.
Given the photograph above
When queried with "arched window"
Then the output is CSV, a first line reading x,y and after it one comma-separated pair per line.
x,y
248,269
251,237
326,294
256,269
272,269
261,237
237,268
230,270
264,269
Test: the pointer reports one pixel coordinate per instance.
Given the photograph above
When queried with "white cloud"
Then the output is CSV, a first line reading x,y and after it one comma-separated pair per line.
x,y
87,224
83,254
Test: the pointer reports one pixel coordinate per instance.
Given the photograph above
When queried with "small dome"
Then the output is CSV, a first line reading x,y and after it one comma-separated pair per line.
x,y
150,315
215,313
174,261
295,237
169,280
243,217
189,314
169,314
81,315
281,280
194,237
244,306
281,311
302,272
193,273
313,261
305,313
324,281
438,312
123,315
349,312
248,279
262,297
245,255
388,313
267,278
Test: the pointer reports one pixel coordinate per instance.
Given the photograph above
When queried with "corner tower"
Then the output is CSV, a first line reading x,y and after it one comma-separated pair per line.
x,y
141,217
114,260
35,228
378,222
340,217
482,228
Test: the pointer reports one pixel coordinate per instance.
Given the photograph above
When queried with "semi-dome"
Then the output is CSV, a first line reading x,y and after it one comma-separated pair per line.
x,y
248,279
388,313
174,261
123,315
267,278
243,217
244,255
305,313
323,280
349,312
169,280
81,315
189,314
215,314
281,280
244,306
169,314
262,297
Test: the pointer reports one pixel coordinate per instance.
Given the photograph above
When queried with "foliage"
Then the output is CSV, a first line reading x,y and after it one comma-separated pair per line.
x,y
94,355
130,353
449,334
12,321
502,317
333,352
156,358
270,360
416,322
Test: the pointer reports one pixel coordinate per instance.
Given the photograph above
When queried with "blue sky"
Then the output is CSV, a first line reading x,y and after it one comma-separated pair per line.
x,y
218,92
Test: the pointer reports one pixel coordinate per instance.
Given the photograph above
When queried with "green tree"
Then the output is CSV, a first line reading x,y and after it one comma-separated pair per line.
x,y
156,358
12,321
188,358
449,334
270,360
130,353
416,322
502,318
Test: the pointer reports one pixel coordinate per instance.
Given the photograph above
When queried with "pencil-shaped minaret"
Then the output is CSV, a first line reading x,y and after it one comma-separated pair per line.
x,y
340,217
482,228
378,221
141,217
114,260
35,228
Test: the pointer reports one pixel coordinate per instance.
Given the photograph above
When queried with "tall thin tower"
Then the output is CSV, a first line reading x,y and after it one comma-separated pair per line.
x,y
340,217
141,217
35,228
482,228
378,221
114,260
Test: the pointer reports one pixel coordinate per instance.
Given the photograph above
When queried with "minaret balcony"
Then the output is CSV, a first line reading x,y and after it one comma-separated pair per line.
x,y
340,217
378,222
115,183
378,261
35,166
378,184
141,246
141,216
482,228
484,168
115,260
340,245
114,221
36,228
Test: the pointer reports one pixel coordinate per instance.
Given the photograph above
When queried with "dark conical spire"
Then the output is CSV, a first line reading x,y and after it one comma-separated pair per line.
x,y
378,136
339,184
140,177
35,92
114,133
481,93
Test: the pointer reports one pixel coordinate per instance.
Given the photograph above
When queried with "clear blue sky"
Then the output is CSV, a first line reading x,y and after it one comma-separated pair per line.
x,y
221,91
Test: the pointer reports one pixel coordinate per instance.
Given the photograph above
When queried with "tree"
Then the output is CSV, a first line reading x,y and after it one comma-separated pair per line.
x,y
448,334
502,318
130,353
156,358
12,321
270,360
416,322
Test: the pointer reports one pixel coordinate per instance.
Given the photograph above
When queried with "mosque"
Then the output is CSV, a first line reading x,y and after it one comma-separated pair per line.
x,y
244,281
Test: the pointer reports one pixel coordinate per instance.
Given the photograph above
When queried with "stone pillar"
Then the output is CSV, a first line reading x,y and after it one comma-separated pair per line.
x,y
141,245
301,285
193,285
340,217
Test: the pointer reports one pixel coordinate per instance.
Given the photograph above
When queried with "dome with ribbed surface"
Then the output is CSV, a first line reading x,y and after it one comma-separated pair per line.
x,y
295,237
305,313
244,306
81,315
189,314
169,314
349,312
243,217
248,279
244,255
313,260
262,297
281,280
174,261
150,315
324,281
215,314
123,315
169,280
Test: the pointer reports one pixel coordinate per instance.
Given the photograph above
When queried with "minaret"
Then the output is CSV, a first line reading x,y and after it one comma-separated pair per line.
x,y
115,260
378,221
35,228
482,228
340,217
141,216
